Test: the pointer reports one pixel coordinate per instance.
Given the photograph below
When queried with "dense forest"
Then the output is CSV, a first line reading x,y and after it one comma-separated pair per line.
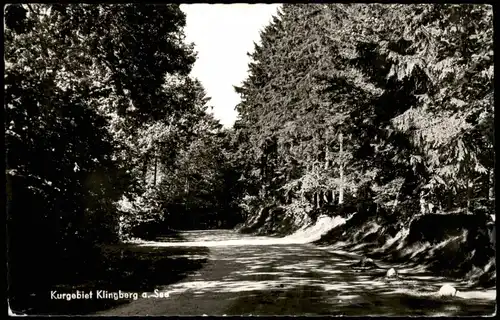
x,y
107,136
385,111
394,99
381,110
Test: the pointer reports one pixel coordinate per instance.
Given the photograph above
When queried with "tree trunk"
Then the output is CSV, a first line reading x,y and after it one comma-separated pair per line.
x,y
156,167
327,165
450,200
395,204
470,188
341,187
327,157
145,168
396,201
467,194
491,185
422,204
186,190
326,198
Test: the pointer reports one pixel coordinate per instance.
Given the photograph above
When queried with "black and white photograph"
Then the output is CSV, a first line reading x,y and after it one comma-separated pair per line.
x,y
239,159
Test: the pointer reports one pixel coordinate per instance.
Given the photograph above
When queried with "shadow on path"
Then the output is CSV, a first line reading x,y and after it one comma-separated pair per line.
x,y
300,279
125,267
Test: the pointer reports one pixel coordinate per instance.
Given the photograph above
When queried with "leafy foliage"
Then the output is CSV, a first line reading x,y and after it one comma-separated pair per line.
x,y
394,97
101,113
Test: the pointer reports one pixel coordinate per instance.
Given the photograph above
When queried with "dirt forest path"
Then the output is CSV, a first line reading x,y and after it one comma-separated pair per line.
x,y
247,275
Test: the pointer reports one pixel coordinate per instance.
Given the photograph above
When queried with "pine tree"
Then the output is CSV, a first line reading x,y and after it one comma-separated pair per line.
x,y
395,97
